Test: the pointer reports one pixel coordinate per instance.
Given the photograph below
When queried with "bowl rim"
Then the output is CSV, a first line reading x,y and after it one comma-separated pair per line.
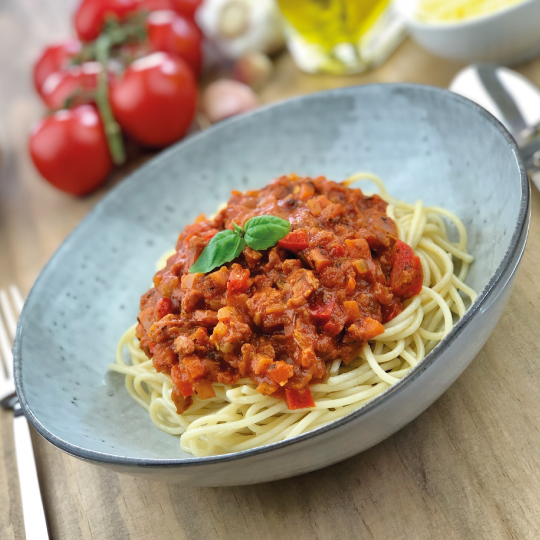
x,y
409,14
510,262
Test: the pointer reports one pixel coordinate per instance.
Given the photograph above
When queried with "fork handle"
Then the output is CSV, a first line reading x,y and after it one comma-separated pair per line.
x,y
32,504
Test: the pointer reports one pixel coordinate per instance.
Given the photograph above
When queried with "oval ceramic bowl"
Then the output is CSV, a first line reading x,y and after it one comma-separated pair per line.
x,y
425,142
509,36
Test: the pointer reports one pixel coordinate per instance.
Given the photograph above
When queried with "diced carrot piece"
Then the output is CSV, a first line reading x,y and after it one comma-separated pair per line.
x,y
194,367
318,260
267,388
372,328
315,207
298,399
280,372
204,389
351,286
358,248
260,363
352,310
306,191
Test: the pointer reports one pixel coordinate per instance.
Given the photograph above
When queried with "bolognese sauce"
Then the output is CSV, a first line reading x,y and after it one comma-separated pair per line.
x,y
278,316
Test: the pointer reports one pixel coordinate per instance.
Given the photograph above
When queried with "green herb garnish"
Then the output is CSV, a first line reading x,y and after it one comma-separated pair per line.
x,y
259,233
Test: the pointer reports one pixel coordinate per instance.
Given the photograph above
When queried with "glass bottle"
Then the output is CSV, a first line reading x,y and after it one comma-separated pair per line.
x,y
340,36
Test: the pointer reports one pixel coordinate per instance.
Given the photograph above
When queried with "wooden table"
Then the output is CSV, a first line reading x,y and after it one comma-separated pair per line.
x,y
468,468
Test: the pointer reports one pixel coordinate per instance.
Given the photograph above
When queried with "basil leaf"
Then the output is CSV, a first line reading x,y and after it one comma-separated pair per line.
x,y
263,232
238,229
224,247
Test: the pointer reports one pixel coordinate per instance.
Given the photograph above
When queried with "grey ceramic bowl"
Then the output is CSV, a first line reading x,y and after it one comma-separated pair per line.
x,y
425,142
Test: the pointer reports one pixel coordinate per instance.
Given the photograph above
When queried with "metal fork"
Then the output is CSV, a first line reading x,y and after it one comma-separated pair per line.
x,y
11,304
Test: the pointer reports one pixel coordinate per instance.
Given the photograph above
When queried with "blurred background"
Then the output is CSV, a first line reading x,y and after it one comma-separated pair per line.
x,y
91,90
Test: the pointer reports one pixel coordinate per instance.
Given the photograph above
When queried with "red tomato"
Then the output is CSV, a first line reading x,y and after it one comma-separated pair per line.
x,y
158,5
172,33
60,86
188,8
407,276
91,15
154,102
69,149
54,58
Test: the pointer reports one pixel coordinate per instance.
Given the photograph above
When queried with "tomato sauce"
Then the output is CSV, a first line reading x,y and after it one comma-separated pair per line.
x,y
278,316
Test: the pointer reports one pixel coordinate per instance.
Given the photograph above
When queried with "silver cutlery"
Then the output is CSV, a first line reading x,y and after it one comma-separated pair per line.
x,y
511,98
11,304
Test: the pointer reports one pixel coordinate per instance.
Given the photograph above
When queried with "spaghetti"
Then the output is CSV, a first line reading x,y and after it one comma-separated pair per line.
x,y
239,417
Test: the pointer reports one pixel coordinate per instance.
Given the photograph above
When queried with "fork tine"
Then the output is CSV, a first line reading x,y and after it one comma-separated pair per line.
x,y
6,356
17,299
7,310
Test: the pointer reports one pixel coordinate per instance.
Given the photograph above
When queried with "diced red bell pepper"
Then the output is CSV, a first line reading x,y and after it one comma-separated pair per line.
x,y
181,381
185,387
407,275
163,307
295,241
322,311
298,399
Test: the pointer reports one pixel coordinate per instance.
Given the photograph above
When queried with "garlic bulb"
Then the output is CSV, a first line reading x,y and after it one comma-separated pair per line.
x,y
237,27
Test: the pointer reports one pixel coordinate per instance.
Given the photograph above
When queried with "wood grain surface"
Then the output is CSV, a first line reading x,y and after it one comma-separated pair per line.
x,y
468,468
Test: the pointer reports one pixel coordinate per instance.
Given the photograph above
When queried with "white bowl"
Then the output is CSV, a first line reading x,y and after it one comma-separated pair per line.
x,y
510,36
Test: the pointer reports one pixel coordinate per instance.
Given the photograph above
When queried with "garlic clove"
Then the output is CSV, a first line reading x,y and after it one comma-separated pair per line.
x,y
253,69
225,98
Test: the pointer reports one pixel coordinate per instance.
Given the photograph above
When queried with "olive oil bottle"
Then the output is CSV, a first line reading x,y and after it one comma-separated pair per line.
x,y
340,36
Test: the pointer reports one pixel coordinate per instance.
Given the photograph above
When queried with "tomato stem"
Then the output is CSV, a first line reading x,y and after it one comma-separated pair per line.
x,y
112,129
